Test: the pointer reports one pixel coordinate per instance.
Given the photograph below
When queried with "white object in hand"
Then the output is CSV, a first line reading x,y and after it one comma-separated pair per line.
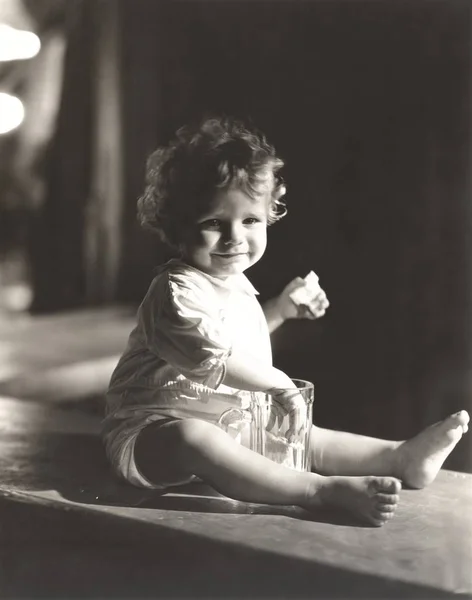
x,y
307,293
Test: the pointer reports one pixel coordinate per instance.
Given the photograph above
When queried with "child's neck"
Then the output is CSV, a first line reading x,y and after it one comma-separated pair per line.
x,y
212,275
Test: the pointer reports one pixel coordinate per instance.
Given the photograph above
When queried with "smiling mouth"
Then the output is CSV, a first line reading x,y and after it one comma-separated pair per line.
x,y
234,255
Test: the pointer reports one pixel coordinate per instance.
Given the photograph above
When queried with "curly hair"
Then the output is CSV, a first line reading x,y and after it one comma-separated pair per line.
x,y
217,153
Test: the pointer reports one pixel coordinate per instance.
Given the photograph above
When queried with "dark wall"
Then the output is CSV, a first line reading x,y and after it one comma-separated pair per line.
x,y
369,104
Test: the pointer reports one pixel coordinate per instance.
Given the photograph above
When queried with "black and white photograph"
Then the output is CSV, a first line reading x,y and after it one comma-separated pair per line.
x,y
235,299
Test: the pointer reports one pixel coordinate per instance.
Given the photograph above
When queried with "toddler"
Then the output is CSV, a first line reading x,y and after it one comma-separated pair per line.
x,y
201,345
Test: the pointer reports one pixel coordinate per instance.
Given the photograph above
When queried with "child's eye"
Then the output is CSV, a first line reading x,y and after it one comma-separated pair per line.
x,y
211,224
251,221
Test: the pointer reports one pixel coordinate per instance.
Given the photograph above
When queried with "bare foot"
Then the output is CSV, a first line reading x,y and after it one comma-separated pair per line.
x,y
420,458
374,499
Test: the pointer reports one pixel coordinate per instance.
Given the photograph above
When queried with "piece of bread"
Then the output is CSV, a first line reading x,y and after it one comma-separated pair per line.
x,y
304,295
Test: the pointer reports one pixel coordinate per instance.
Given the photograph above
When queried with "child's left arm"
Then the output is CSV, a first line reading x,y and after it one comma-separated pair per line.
x,y
282,307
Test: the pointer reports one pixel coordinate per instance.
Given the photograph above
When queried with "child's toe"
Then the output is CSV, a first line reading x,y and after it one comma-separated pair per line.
x,y
386,485
387,498
460,418
386,508
378,521
382,515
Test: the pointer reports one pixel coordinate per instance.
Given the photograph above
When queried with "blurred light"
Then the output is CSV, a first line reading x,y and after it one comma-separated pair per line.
x,y
17,297
16,44
12,112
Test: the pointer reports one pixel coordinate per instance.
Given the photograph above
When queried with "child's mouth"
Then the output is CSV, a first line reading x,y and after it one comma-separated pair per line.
x,y
230,258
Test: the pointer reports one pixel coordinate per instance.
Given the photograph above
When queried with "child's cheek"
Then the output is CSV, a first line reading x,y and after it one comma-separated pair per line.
x,y
200,239
209,239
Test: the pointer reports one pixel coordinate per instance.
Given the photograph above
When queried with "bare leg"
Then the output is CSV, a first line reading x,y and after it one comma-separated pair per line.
x,y
343,453
415,461
190,446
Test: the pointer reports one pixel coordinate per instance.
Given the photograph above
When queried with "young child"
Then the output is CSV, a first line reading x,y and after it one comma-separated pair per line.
x,y
201,345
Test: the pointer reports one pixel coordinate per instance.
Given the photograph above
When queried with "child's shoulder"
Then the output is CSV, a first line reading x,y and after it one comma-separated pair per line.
x,y
176,277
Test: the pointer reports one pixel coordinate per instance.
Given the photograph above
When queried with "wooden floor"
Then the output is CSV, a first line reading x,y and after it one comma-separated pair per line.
x,y
68,529
68,355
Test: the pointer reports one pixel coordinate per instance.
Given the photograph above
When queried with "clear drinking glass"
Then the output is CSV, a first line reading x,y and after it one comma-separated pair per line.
x,y
274,428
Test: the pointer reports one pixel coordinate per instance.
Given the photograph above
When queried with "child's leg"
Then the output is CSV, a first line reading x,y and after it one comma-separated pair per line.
x,y
190,446
415,461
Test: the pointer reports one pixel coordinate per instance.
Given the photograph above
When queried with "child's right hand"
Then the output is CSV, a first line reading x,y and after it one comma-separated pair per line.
x,y
287,402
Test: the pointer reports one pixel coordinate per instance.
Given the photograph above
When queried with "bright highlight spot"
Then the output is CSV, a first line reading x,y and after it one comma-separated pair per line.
x,y
12,112
16,44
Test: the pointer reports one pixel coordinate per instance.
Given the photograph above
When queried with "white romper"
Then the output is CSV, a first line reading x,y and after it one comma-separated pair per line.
x,y
173,365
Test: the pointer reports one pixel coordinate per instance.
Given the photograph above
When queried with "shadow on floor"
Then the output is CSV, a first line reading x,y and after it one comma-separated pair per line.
x,y
76,467
57,447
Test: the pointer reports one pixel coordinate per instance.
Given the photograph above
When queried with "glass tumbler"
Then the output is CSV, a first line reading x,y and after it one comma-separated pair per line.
x,y
276,425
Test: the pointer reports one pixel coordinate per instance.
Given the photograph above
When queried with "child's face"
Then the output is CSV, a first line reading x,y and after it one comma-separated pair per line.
x,y
230,236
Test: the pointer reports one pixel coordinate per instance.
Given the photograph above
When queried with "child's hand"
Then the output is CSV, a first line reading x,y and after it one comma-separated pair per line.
x,y
289,310
287,402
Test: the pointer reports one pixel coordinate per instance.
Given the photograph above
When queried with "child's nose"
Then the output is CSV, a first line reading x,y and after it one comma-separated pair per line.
x,y
234,234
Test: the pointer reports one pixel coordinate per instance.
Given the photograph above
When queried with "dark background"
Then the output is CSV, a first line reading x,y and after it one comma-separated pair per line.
x,y
369,104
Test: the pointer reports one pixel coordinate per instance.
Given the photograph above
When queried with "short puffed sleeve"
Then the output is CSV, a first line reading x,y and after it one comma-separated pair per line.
x,y
181,320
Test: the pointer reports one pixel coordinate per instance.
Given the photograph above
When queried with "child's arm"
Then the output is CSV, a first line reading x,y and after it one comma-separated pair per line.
x,y
282,307
247,372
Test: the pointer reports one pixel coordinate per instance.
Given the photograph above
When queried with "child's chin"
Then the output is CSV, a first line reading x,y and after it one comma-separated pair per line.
x,y
229,270
233,270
